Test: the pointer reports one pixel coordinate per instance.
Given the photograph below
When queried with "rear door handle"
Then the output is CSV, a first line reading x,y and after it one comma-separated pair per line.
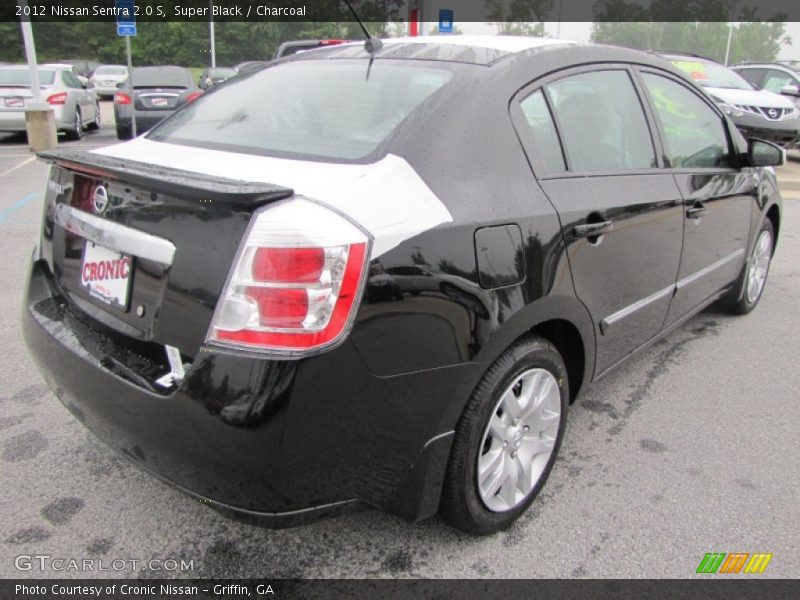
x,y
592,229
696,211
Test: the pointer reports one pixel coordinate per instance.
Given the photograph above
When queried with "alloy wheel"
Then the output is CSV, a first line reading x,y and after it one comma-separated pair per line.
x,y
759,266
519,439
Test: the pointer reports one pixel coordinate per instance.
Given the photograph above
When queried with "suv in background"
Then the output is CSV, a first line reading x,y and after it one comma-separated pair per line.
x,y
779,78
757,113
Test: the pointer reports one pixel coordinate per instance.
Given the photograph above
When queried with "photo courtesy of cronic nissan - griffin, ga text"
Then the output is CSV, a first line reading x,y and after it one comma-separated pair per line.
x,y
379,274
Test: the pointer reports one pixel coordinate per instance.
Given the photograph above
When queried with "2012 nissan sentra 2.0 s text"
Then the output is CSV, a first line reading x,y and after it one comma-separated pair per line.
x,y
380,278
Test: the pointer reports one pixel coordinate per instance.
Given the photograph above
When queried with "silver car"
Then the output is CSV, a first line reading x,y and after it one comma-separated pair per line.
x,y
107,77
75,107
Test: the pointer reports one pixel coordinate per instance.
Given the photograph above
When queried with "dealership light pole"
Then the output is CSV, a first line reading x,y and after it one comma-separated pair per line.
x,y
211,34
728,46
39,120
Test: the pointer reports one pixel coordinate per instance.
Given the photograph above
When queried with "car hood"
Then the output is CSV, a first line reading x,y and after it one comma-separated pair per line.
x,y
387,198
760,98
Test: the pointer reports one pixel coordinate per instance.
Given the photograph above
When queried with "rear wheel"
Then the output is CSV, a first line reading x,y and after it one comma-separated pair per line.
x,y
76,133
124,133
95,125
750,286
507,438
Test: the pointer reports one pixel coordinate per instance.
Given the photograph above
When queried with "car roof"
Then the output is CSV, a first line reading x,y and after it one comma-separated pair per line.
x,y
25,67
507,43
484,50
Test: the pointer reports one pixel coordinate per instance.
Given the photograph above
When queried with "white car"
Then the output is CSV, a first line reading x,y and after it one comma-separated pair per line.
x,y
106,78
75,108
756,113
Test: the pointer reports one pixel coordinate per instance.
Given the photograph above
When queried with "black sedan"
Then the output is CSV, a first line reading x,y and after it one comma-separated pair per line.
x,y
341,282
151,94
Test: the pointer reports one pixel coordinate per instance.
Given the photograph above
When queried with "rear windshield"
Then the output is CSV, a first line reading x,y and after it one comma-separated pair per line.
x,y
110,71
159,78
22,77
710,74
324,108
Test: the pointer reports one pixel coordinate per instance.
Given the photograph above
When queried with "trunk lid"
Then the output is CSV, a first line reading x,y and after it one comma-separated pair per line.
x,y
164,98
164,239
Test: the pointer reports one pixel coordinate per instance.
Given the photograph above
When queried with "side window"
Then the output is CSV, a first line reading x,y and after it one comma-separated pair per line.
x,y
544,133
695,134
777,80
754,76
601,121
70,80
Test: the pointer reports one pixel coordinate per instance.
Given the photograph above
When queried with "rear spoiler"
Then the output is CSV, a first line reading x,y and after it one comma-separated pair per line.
x,y
174,182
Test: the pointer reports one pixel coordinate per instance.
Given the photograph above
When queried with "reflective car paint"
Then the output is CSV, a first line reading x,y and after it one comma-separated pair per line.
x,y
371,421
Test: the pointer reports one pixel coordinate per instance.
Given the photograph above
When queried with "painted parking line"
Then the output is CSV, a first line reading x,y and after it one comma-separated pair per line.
x,y
5,214
19,166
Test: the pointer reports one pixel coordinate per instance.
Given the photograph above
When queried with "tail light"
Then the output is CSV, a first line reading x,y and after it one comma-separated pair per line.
x,y
60,98
193,96
122,98
296,283
331,42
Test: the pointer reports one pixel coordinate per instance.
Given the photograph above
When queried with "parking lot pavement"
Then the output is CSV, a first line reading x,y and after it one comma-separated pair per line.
x,y
690,447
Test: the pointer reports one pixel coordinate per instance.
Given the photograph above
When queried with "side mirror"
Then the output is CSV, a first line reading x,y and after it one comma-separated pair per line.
x,y
765,154
791,90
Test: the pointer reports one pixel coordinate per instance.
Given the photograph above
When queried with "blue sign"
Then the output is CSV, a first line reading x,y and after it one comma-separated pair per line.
x,y
445,20
126,17
126,29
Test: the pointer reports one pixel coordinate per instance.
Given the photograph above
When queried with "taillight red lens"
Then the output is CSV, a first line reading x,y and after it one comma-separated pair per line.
x,y
288,264
122,98
296,282
60,98
193,96
280,307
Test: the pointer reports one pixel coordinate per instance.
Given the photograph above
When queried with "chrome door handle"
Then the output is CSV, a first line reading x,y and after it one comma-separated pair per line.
x,y
696,211
592,229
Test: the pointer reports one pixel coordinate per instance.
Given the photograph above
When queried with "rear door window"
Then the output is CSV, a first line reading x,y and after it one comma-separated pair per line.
x,y
695,134
601,121
754,76
538,117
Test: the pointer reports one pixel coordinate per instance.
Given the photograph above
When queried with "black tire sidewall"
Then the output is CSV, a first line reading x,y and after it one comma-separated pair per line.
x,y
743,305
533,353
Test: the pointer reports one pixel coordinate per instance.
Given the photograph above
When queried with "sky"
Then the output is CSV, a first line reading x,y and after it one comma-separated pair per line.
x,y
581,32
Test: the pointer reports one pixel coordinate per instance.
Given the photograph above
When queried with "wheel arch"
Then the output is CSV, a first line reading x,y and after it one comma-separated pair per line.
x,y
561,320
774,215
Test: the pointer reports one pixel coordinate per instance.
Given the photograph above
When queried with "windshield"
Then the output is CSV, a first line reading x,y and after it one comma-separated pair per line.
x,y
22,77
321,108
710,74
110,71
159,78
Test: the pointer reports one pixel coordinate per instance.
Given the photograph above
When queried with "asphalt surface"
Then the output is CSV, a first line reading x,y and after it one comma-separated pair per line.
x,y
690,447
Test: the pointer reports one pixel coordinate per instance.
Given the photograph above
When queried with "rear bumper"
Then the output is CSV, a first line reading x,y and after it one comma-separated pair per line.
x,y
145,119
12,120
275,442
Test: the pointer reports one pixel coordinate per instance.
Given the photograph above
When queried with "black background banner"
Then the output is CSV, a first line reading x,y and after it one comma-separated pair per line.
x,y
394,10
710,588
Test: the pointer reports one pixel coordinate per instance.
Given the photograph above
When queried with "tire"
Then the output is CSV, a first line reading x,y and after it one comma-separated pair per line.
x,y
746,293
95,125
124,133
469,501
76,133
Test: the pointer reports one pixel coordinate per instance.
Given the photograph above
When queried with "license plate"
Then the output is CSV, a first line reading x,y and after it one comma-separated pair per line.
x,y
106,275
15,102
159,101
